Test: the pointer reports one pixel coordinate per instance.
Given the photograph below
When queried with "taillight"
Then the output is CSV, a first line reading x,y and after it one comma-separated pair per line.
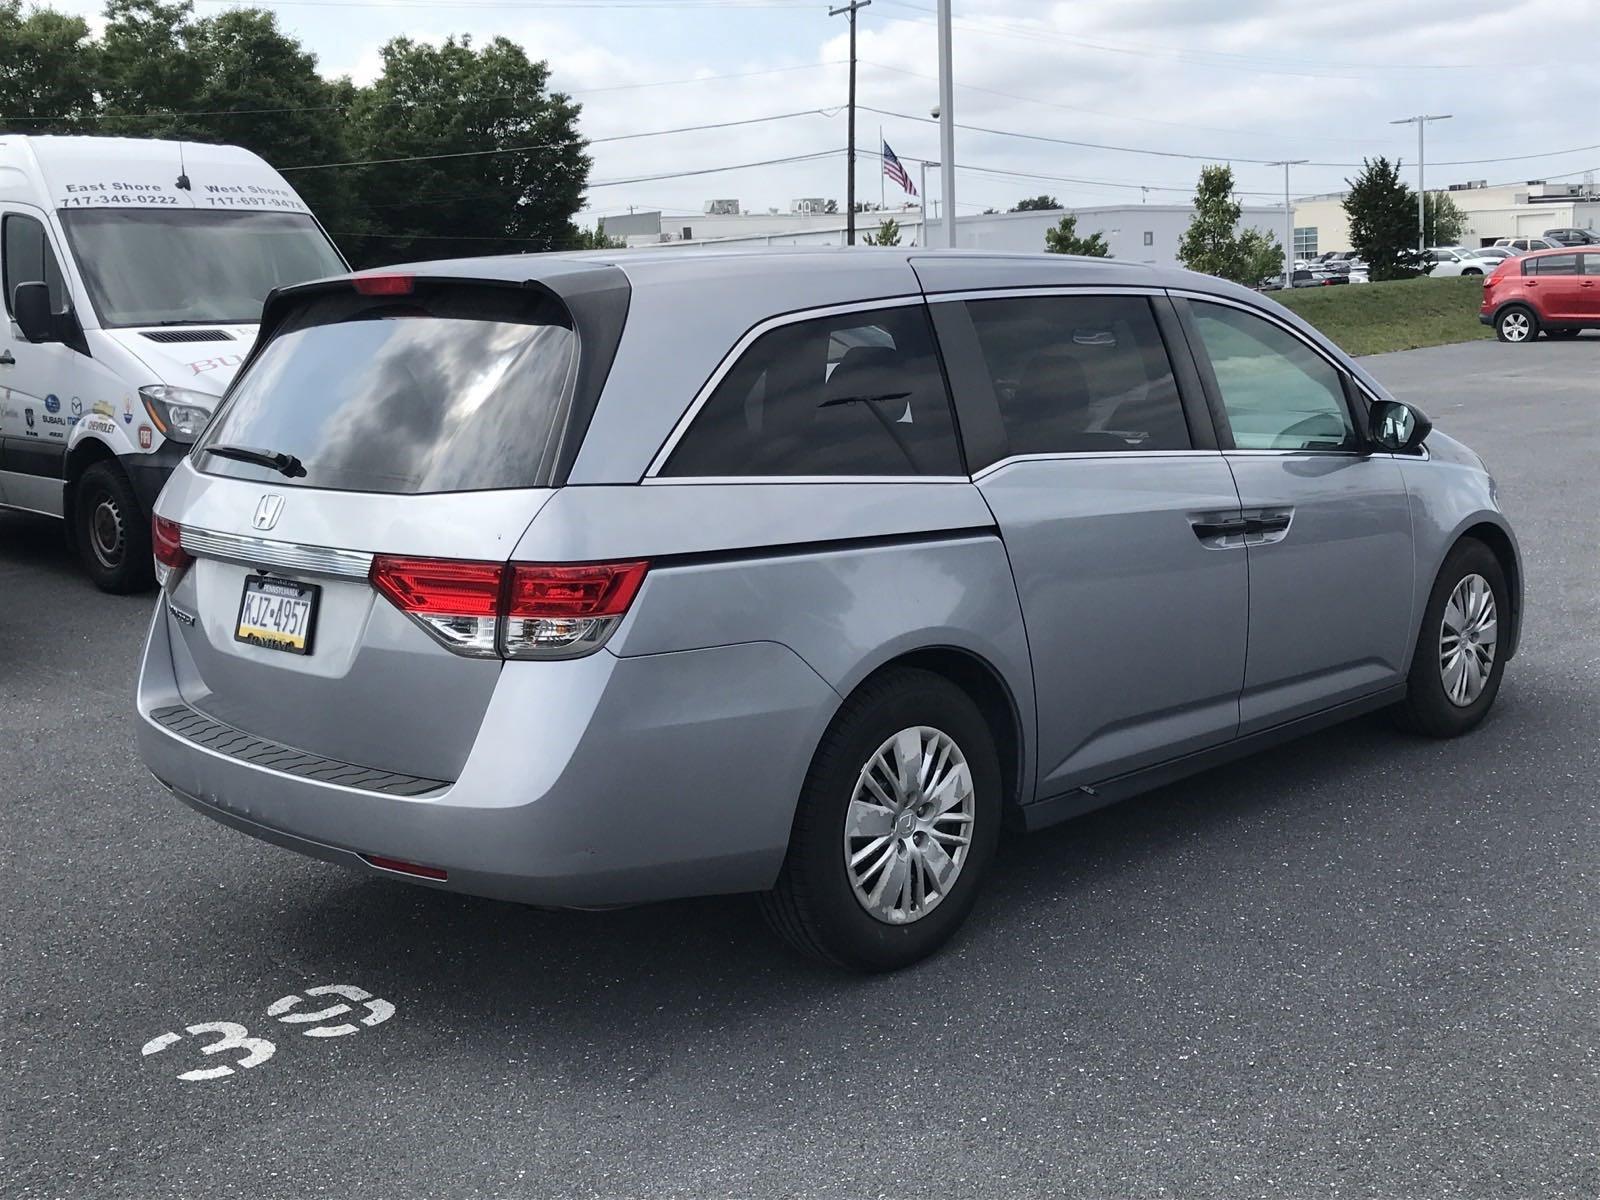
x,y
166,540
517,611
562,612
457,602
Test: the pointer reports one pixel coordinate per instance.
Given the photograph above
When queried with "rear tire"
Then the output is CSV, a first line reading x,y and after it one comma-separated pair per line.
x,y
1516,325
112,531
1459,627
829,901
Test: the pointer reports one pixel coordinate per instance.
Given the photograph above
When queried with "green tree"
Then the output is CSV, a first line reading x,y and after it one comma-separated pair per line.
x,y
1213,244
1064,239
1383,220
1446,221
1260,256
147,79
48,71
594,239
248,68
888,233
520,169
1038,204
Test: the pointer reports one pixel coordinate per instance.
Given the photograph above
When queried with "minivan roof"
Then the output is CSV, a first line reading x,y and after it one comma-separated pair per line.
x,y
686,309
49,171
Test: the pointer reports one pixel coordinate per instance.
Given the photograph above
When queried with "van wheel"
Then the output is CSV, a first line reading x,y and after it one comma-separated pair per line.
x,y
896,826
1459,660
112,531
1516,324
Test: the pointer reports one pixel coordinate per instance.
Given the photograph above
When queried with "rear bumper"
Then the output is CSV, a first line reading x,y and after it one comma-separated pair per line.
x,y
598,781
1485,318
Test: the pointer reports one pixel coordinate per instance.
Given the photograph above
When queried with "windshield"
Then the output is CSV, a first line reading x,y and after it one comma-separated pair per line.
x,y
450,389
192,266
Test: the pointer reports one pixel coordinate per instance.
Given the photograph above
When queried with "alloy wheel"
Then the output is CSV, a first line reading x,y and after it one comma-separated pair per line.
x,y
909,825
1467,639
1516,327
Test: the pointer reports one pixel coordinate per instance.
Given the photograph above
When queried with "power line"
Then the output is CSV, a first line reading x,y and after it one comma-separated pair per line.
x,y
576,143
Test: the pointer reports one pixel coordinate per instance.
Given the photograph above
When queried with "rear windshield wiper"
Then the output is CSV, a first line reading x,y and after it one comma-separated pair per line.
x,y
284,464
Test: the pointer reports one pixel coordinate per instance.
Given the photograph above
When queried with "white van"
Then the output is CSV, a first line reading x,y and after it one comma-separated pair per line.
x,y
134,273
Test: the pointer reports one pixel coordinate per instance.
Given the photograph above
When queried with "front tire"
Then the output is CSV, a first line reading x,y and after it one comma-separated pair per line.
x,y
112,531
896,826
1516,325
1459,660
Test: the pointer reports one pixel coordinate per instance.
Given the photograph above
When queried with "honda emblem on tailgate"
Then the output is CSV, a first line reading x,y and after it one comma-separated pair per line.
x,y
267,511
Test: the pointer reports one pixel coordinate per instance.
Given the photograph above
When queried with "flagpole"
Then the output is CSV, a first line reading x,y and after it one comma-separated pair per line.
x,y
883,188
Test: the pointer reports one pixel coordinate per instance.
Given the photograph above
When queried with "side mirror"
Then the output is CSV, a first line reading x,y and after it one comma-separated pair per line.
x,y
1397,428
30,305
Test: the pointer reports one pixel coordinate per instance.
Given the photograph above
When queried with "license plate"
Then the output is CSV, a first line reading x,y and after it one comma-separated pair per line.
x,y
277,614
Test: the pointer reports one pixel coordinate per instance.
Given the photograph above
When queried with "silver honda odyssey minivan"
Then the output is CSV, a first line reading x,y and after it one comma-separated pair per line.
x,y
594,580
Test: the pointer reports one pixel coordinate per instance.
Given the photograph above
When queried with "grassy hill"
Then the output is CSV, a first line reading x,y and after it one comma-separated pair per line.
x,y
1375,318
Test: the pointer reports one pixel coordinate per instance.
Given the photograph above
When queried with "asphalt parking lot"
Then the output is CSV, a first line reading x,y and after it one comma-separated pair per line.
x,y
1362,965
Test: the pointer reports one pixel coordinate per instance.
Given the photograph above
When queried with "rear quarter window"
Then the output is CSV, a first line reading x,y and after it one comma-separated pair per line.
x,y
455,388
859,393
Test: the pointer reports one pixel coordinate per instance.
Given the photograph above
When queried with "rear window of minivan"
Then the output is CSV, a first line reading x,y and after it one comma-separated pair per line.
x,y
451,389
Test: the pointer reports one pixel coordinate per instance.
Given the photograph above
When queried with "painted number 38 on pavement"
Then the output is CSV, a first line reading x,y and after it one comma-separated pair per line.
x,y
352,1009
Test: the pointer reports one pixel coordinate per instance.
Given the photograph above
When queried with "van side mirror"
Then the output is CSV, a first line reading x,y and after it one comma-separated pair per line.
x,y
30,305
1396,427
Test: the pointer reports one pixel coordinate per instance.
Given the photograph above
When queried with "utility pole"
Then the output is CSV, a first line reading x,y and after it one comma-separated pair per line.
x,y
1421,122
850,154
947,122
1288,219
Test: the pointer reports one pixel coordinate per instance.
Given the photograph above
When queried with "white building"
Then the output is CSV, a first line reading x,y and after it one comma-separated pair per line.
x,y
1508,210
1144,233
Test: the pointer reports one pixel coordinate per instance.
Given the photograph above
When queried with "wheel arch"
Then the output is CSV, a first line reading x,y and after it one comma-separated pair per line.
x,y
986,686
79,459
1501,546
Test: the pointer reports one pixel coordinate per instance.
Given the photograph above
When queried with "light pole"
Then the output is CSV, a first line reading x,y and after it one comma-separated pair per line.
x,y
1288,219
947,122
925,166
1421,122
850,154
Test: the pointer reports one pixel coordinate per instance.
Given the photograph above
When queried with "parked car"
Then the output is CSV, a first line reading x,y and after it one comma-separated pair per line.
x,y
131,293
1554,292
1455,260
1572,237
1527,245
1493,255
1310,277
583,582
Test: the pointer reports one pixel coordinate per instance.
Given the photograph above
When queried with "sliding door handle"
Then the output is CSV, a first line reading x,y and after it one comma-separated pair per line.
x,y
1206,530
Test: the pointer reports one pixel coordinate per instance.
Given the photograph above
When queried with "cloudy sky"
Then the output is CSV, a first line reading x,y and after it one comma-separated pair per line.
x,y
1177,81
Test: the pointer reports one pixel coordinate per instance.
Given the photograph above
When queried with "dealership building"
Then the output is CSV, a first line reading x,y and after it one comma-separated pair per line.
x,y
1142,233
1504,211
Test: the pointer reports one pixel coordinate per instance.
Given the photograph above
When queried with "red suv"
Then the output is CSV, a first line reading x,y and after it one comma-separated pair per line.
x,y
1556,291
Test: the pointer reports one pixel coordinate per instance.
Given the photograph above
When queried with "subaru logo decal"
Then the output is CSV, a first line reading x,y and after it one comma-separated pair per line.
x,y
267,511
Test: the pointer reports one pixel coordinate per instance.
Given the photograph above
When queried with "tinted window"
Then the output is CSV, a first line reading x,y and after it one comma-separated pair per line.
x,y
1279,393
1555,264
1080,374
29,259
859,393
454,389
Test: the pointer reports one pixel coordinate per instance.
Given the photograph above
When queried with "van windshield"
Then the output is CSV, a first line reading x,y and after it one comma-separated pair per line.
x,y
192,266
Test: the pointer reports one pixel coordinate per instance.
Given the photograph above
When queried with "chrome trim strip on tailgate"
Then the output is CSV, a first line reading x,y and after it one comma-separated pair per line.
x,y
290,556
196,727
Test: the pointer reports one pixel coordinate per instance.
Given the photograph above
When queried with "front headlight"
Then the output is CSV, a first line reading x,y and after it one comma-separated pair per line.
x,y
179,413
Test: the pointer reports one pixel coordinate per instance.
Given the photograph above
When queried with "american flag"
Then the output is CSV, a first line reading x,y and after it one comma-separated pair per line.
x,y
896,172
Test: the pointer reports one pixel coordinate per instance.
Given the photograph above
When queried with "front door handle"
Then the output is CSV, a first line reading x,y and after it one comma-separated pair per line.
x,y
7,359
